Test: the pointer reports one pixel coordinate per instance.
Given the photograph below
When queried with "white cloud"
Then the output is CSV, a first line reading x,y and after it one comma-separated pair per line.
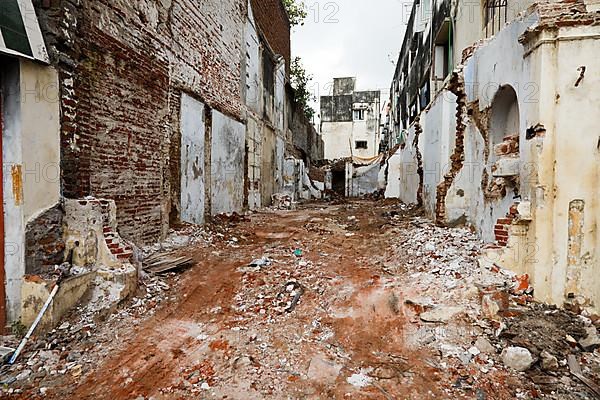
x,y
358,38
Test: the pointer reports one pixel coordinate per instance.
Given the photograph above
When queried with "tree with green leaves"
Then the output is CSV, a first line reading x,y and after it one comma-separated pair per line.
x,y
296,10
300,80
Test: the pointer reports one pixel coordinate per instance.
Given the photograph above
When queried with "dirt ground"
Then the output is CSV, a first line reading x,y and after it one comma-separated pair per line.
x,y
341,309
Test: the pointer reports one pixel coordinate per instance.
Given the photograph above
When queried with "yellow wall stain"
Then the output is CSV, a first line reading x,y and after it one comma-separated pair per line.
x,y
17,184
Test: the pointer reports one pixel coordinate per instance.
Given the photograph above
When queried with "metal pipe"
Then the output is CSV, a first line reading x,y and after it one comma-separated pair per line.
x,y
34,325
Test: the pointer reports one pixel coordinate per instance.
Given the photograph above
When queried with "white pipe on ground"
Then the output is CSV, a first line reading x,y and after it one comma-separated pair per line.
x,y
33,326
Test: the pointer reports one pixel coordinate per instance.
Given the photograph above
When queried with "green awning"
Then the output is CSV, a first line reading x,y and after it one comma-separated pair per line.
x,y
20,33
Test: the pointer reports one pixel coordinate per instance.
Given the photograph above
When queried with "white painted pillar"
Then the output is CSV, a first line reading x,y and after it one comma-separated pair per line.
x,y
12,164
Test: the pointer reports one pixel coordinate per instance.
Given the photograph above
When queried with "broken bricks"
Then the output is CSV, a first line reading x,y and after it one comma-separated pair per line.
x,y
275,348
494,300
290,296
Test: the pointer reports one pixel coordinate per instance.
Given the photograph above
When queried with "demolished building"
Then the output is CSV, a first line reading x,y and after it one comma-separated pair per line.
x,y
487,101
122,119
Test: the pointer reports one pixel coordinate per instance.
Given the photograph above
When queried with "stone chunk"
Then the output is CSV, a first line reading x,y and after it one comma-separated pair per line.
x,y
507,166
591,341
548,361
322,370
484,346
440,314
517,358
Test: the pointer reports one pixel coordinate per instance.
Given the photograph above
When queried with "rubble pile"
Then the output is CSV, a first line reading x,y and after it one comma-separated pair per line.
x,y
283,201
212,234
508,331
75,346
274,288
361,300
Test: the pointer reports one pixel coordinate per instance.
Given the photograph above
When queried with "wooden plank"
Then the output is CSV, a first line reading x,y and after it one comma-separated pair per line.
x,y
168,264
166,261
577,373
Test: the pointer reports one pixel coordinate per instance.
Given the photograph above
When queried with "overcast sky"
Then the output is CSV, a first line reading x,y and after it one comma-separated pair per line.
x,y
360,38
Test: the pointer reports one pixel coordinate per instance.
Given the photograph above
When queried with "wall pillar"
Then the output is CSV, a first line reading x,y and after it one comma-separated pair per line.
x,y
14,228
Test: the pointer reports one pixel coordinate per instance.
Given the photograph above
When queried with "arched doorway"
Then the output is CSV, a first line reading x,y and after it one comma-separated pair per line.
x,y
501,179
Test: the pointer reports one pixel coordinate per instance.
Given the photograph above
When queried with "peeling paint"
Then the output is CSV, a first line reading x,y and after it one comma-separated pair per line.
x,y
456,86
574,247
17,183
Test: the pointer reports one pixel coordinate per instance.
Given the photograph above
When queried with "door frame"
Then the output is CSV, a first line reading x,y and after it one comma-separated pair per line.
x,y
2,244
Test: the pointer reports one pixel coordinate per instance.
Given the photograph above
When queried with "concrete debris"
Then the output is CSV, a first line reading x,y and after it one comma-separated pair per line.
x,y
592,340
261,262
162,263
289,297
318,314
359,380
440,314
282,201
517,358
52,356
484,346
548,362
576,371
323,371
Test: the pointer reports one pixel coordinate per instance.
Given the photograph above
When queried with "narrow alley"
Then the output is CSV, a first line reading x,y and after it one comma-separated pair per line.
x,y
296,199
361,299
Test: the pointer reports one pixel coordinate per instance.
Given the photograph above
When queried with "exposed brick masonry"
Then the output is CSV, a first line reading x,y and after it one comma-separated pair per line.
x,y
44,243
502,227
122,67
419,156
456,86
273,21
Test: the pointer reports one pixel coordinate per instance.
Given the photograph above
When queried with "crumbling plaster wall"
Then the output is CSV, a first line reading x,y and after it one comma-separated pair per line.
x,y
304,136
30,162
554,237
253,78
568,169
254,146
254,101
272,19
267,106
268,162
484,74
12,164
437,142
365,180
296,182
403,170
40,124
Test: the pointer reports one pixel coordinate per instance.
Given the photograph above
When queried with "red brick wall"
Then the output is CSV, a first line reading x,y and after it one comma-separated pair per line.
x,y
123,65
273,21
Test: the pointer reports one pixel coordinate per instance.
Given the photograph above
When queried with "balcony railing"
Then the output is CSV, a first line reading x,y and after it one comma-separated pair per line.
x,y
496,13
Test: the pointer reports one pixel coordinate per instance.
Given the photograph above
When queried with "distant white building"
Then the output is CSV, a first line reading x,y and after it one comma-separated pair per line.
x,y
350,121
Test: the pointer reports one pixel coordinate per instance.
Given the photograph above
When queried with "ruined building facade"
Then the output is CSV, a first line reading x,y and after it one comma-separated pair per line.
x,y
168,112
493,107
350,121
